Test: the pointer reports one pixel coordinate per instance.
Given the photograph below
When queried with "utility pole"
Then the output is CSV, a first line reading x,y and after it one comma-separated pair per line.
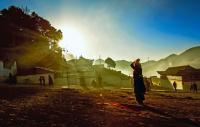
x,y
100,59
68,85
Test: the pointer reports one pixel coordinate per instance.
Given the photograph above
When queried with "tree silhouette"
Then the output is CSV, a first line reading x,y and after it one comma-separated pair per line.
x,y
27,37
110,62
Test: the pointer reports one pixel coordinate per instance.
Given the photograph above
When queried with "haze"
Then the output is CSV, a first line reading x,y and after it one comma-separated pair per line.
x,y
121,29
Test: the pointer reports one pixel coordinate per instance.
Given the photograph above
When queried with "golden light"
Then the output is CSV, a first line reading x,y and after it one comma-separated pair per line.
x,y
73,40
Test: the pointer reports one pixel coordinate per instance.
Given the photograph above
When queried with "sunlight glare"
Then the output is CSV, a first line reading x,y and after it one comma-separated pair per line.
x,y
73,40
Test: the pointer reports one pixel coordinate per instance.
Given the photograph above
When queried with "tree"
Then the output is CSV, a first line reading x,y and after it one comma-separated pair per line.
x,y
28,38
110,62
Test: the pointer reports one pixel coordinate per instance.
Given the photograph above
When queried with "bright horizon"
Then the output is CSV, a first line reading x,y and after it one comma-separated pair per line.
x,y
118,29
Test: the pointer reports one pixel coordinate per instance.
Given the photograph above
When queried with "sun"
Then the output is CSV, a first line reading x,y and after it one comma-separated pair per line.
x,y
73,40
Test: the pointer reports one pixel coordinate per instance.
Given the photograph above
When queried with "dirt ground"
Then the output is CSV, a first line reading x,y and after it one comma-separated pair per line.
x,y
61,107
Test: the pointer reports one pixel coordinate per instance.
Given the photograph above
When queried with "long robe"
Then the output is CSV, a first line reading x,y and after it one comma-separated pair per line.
x,y
139,87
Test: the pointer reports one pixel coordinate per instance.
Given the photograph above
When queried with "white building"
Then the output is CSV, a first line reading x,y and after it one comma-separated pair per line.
x,y
7,69
32,76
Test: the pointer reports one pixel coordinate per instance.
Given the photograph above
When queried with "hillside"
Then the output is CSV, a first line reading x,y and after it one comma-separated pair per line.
x,y
188,57
124,66
150,68
121,65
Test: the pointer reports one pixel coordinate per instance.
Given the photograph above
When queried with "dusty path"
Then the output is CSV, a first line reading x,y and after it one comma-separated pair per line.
x,y
47,107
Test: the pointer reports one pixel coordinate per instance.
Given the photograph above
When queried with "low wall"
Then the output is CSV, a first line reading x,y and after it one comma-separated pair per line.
x,y
34,79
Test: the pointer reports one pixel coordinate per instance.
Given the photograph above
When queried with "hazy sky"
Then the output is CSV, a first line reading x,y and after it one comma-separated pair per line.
x,y
121,29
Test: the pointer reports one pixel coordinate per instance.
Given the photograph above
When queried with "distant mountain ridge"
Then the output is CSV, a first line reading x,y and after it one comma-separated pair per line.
x,y
189,57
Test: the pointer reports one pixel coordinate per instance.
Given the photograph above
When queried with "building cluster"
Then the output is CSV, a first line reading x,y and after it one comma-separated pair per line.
x,y
82,72
76,72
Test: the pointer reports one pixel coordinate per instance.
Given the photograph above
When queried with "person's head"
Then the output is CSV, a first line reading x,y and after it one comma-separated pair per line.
x,y
137,61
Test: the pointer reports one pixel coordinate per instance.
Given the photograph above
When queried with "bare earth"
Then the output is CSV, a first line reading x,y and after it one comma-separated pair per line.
x,y
57,107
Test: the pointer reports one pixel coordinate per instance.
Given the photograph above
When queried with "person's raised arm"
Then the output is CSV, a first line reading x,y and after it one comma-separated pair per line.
x,y
133,65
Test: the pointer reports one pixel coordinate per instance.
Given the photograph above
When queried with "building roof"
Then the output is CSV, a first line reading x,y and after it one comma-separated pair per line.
x,y
180,70
34,71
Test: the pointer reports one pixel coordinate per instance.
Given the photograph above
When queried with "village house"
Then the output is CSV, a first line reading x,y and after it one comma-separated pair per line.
x,y
34,76
7,69
184,76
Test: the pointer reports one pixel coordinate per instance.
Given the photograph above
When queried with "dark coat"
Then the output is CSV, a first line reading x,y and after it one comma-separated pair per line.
x,y
139,87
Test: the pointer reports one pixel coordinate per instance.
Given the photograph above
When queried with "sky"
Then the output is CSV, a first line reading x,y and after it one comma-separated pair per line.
x,y
121,29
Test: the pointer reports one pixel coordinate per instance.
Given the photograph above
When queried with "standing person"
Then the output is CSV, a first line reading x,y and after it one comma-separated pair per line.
x,y
50,81
40,79
43,80
195,87
147,84
175,86
192,88
10,79
139,87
